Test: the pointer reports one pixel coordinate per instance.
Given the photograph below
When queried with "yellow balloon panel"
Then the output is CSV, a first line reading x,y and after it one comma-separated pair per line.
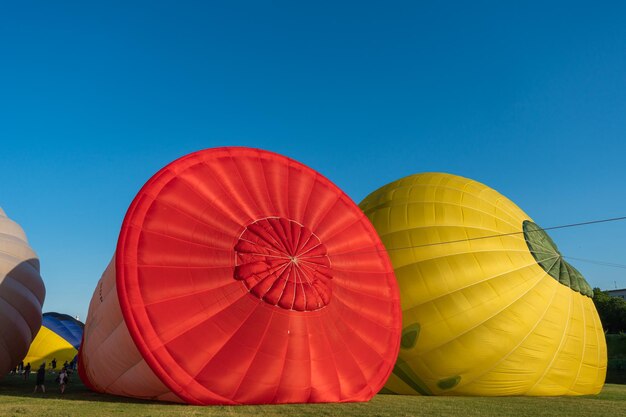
x,y
487,309
47,346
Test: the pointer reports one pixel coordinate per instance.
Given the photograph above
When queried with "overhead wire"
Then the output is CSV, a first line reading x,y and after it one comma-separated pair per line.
x,y
602,263
609,264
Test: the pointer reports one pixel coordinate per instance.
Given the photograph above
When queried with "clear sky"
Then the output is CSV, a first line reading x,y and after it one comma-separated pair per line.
x,y
529,99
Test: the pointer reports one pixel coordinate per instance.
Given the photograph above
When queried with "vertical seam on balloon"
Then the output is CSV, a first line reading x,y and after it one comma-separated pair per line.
x,y
559,346
406,213
194,326
278,233
462,206
548,305
303,277
348,347
243,182
354,290
511,221
332,356
493,233
593,313
229,338
308,198
148,266
127,371
319,296
320,220
264,237
226,184
103,342
276,282
355,221
582,356
600,342
302,244
296,240
466,252
282,369
286,270
313,247
198,193
267,255
177,297
470,285
204,245
297,280
266,188
256,351
183,213
485,321
365,318
294,271
286,194
310,360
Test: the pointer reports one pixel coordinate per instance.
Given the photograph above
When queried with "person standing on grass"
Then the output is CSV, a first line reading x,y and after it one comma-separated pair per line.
x,y
62,380
41,378
27,371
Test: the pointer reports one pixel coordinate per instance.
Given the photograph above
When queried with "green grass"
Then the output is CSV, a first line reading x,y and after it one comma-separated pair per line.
x,y
17,400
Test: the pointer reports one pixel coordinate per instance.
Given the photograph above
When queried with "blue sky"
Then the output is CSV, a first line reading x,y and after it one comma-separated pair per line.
x,y
529,99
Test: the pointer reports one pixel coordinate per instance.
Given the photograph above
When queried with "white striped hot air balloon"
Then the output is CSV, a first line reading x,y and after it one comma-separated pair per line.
x,y
21,294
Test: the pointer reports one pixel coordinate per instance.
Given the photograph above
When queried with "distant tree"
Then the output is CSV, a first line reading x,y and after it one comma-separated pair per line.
x,y
612,311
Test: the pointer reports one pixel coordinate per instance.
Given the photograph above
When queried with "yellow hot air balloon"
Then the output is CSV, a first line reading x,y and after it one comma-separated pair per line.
x,y
489,305
21,294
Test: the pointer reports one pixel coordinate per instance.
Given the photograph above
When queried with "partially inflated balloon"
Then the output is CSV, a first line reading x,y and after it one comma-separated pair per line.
x,y
489,305
59,338
242,276
21,294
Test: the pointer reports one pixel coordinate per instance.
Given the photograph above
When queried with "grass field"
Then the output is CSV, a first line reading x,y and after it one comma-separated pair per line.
x,y
17,400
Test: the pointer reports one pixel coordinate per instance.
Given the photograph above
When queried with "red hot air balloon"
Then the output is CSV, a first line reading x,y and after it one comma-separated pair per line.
x,y
243,277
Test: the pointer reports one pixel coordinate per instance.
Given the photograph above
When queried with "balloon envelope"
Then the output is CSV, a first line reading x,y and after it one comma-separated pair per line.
x,y
59,338
242,276
490,307
22,294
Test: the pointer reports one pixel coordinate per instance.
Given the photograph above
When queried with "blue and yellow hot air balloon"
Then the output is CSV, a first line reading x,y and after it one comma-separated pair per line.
x,y
59,338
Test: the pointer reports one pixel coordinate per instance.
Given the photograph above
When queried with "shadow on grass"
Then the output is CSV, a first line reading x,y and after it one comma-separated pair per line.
x,y
17,386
